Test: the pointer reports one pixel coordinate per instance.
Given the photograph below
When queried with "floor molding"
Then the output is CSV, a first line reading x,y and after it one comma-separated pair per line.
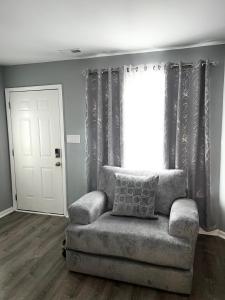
x,y
216,232
6,212
39,213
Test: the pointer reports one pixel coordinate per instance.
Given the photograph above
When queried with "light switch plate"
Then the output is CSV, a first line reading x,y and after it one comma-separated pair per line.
x,y
73,139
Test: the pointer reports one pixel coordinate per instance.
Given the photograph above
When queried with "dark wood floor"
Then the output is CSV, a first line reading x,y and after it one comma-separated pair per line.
x,y
32,267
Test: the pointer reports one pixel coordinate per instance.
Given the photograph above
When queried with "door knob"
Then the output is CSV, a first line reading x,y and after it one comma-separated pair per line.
x,y
58,164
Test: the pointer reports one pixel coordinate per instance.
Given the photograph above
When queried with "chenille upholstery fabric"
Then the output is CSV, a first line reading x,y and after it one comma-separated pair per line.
x,y
171,186
135,196
155,253
184,220
131,238
88,208
136,272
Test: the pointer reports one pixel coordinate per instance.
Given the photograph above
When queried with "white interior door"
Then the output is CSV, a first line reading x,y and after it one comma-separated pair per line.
x,y
37,146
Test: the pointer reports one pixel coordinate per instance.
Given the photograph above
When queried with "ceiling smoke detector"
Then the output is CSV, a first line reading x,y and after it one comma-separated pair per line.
x,y
75,51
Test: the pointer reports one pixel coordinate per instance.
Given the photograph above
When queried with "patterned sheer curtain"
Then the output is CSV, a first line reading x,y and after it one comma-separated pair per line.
x,y
103,121
187,142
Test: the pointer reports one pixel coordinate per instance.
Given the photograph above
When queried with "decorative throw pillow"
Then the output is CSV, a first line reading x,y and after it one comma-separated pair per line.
x,y
135,195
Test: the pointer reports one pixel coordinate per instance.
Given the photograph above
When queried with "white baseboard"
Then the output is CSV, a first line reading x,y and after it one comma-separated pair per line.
x,y
39,213
11,209
216,232
6,212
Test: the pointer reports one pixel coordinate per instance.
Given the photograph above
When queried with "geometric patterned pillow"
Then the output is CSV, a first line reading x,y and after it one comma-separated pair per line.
x,y
135,196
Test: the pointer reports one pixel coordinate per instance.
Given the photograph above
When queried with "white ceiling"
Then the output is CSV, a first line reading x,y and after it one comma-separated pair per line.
x,y
36,30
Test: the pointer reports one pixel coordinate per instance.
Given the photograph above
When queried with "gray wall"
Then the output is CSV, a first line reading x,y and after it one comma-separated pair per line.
x,y
5,181
69,74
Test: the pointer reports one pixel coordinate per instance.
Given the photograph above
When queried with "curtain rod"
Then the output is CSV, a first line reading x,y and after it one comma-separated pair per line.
x,y
212,63
87,71
173,65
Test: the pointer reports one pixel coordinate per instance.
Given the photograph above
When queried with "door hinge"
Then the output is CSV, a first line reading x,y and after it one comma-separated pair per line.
x,y
12,152
16,197
9,105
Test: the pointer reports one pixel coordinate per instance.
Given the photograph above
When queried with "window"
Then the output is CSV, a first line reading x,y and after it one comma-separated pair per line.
x,y
143,115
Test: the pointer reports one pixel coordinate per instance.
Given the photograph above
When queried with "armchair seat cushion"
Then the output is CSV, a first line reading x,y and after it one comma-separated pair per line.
x,y
131,238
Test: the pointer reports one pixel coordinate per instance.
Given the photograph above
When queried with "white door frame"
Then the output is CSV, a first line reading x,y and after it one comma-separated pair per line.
x,y
10,136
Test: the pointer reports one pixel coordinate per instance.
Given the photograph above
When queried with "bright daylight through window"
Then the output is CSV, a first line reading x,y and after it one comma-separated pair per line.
x,y
143,117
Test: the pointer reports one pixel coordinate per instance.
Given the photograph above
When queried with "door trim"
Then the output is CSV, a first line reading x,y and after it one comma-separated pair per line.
x,y
62,134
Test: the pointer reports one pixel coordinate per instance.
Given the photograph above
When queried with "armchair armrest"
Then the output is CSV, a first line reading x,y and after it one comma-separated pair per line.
x,y
184,220
88,208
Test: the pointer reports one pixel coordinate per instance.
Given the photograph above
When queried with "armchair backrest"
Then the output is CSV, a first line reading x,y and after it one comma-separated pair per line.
x,y
172,185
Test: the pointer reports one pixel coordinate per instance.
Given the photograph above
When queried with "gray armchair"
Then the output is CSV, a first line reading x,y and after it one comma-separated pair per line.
x,y
154,253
